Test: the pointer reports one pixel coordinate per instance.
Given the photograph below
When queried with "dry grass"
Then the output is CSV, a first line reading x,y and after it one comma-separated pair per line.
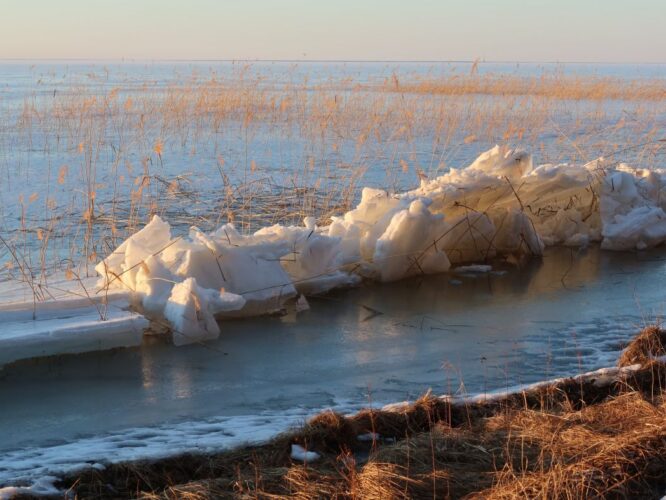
x,y
551,85
650,343
579,438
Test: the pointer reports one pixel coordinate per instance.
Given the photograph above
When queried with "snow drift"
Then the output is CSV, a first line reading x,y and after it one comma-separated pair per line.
x,y
499,205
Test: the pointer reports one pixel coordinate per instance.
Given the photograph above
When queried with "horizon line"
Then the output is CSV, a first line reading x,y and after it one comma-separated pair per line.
x,y
420,61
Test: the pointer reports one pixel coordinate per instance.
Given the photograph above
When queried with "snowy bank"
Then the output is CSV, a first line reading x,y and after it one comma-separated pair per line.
x,y
38,465
499,205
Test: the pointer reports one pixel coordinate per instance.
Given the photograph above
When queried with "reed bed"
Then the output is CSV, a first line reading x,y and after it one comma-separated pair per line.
x,y
550,85
86,163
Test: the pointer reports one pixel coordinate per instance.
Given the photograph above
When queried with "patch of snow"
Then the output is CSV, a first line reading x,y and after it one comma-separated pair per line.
x,y
40,487
300,453
600,377
396,407
368,436
26,464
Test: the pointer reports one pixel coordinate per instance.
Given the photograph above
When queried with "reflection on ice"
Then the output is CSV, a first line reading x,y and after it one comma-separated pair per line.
x,y
568,312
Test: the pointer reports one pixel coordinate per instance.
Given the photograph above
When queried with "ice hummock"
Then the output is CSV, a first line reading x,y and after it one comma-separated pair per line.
x,y
500,204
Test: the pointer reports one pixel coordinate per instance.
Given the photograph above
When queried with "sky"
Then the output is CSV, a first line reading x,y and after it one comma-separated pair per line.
x,y
420,30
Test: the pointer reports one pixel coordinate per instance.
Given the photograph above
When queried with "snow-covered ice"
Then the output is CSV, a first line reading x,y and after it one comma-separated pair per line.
x,y
32,470
24,465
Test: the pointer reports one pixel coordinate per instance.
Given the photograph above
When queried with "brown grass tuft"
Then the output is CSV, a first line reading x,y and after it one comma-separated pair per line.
x,y
648,344
328,432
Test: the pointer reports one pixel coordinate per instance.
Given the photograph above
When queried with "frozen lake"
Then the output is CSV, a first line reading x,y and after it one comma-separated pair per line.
x,y
89,151
304,136
567,313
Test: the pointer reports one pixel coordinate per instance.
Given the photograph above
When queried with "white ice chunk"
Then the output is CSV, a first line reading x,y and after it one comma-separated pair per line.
x,y
152,238
408,246
300,453
154,282
191,311
641,228
314,261
302,304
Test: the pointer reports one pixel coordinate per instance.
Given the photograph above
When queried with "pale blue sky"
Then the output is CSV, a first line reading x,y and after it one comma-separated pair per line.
x,y
516,30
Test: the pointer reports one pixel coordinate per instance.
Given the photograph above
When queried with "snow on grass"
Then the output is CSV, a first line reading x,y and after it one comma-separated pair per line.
x,y
303,455
26,465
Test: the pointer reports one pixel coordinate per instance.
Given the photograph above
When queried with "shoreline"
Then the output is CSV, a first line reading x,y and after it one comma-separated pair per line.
x,y
355,441
363,440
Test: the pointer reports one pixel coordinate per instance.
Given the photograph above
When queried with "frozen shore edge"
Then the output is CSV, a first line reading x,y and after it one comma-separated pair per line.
x,y
36,470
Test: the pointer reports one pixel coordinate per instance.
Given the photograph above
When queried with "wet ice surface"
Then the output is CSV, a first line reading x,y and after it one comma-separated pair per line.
x,y
568,313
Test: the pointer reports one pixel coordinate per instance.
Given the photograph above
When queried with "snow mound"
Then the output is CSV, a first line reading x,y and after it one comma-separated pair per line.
x,y
501,204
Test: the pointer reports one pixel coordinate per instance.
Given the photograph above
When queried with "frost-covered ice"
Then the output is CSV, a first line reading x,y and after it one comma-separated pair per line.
x,y
143,442
501,204
130,404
